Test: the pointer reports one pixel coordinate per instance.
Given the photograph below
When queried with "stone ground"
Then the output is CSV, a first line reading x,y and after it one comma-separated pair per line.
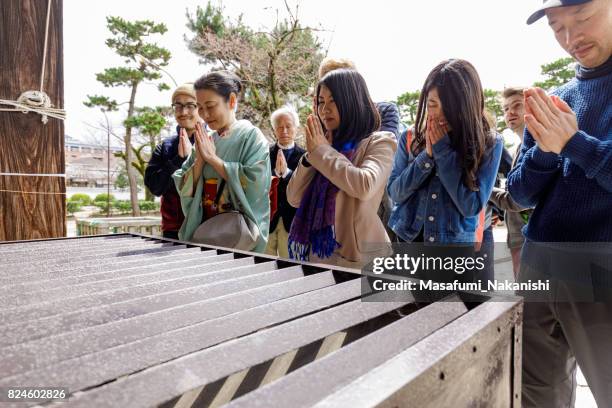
x,y
503,271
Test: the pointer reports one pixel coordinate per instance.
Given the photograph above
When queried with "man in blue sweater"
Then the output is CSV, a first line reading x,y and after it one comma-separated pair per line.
x,y
565,172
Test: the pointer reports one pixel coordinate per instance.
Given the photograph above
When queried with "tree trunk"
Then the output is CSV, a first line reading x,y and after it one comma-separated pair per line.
x,y
272,84
32,196
129,156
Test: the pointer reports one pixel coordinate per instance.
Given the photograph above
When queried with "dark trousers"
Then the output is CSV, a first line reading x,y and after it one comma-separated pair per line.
x,y
170,234
487,248
571,322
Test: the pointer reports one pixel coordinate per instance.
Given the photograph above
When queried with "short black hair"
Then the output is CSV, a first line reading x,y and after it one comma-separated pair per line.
x,y
358,114
221,82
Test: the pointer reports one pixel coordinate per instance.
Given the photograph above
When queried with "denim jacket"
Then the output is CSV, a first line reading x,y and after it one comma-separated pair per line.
x,y
429,193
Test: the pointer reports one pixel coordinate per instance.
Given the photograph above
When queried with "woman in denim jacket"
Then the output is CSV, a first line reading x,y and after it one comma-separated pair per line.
x,y
443,176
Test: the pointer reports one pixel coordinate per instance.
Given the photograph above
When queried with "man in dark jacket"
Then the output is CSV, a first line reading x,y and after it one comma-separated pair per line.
x,y
284,158
389,122
389,118
169,156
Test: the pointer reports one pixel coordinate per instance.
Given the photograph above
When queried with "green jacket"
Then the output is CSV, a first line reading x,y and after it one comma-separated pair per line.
x,y
247,164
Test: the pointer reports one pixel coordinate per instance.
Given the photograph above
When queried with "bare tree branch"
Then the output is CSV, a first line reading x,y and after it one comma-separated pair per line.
x,y
276,65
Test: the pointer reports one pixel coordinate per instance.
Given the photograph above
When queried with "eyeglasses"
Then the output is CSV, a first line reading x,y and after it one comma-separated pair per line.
x,y
178,107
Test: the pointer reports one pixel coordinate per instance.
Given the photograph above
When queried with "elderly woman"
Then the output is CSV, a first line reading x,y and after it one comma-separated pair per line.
x,y
284,158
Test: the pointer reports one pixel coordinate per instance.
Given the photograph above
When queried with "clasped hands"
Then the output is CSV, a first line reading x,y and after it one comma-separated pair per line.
x,y
184,145
550,120
315,135
281,163
204,145
434,132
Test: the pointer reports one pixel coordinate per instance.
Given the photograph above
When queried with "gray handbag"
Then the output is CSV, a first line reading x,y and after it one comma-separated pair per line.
x,y
230,229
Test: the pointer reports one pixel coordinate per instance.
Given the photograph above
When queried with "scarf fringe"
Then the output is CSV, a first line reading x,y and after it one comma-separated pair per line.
x,y
298,251
312,229
322,243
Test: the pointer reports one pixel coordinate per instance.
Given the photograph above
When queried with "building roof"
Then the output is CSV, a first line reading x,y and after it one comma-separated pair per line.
x,y
71,141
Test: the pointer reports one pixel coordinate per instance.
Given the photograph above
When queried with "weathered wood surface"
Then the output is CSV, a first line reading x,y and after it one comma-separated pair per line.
x,y
471,362
26,144
142,322
305,387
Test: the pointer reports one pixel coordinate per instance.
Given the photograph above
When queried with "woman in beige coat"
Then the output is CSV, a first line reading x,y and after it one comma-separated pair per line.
x,y
338,185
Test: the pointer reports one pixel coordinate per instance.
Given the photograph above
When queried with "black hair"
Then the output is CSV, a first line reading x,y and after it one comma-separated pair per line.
x,y
358,114
221,82
462,99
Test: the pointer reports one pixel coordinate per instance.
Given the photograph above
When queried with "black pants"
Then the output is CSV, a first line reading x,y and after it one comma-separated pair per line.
x,y
170,234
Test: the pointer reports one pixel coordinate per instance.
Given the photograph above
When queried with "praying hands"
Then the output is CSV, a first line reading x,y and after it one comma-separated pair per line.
x,y
549,119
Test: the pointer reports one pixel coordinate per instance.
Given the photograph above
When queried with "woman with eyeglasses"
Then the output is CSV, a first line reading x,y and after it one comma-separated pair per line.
x,y
169,156
227,170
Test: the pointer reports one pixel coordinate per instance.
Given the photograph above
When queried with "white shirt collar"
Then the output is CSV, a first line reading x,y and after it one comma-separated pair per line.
x,y
286,147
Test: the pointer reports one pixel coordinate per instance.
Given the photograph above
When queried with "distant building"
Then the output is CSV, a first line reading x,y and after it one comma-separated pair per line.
x,y
86,163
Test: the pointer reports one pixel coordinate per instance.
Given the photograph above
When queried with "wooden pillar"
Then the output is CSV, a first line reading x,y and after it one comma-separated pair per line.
x,y
34,206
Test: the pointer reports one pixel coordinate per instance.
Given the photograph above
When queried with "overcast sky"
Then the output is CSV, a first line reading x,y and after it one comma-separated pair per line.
x,y
394,43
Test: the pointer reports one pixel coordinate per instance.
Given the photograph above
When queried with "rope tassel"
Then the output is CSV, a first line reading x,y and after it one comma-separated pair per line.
x,y
37,101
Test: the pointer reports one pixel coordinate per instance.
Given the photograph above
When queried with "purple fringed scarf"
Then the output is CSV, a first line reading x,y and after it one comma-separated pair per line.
x,y
313,224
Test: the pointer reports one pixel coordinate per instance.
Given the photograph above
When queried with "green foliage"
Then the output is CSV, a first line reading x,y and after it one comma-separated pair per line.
x,y
276,65
408,104
148,205
123,206
129,42
493,105
141,159
103,102
120,76
150,121
102,205
73,206
121,181
557,73
128,39
207,19
525,214
163,87
144,59
83,199
103,197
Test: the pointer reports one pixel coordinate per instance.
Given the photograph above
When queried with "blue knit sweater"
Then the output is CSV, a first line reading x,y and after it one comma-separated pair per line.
x,y
572,191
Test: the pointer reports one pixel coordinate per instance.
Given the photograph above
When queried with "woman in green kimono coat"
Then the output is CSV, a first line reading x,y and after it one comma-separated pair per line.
x,y
236,151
